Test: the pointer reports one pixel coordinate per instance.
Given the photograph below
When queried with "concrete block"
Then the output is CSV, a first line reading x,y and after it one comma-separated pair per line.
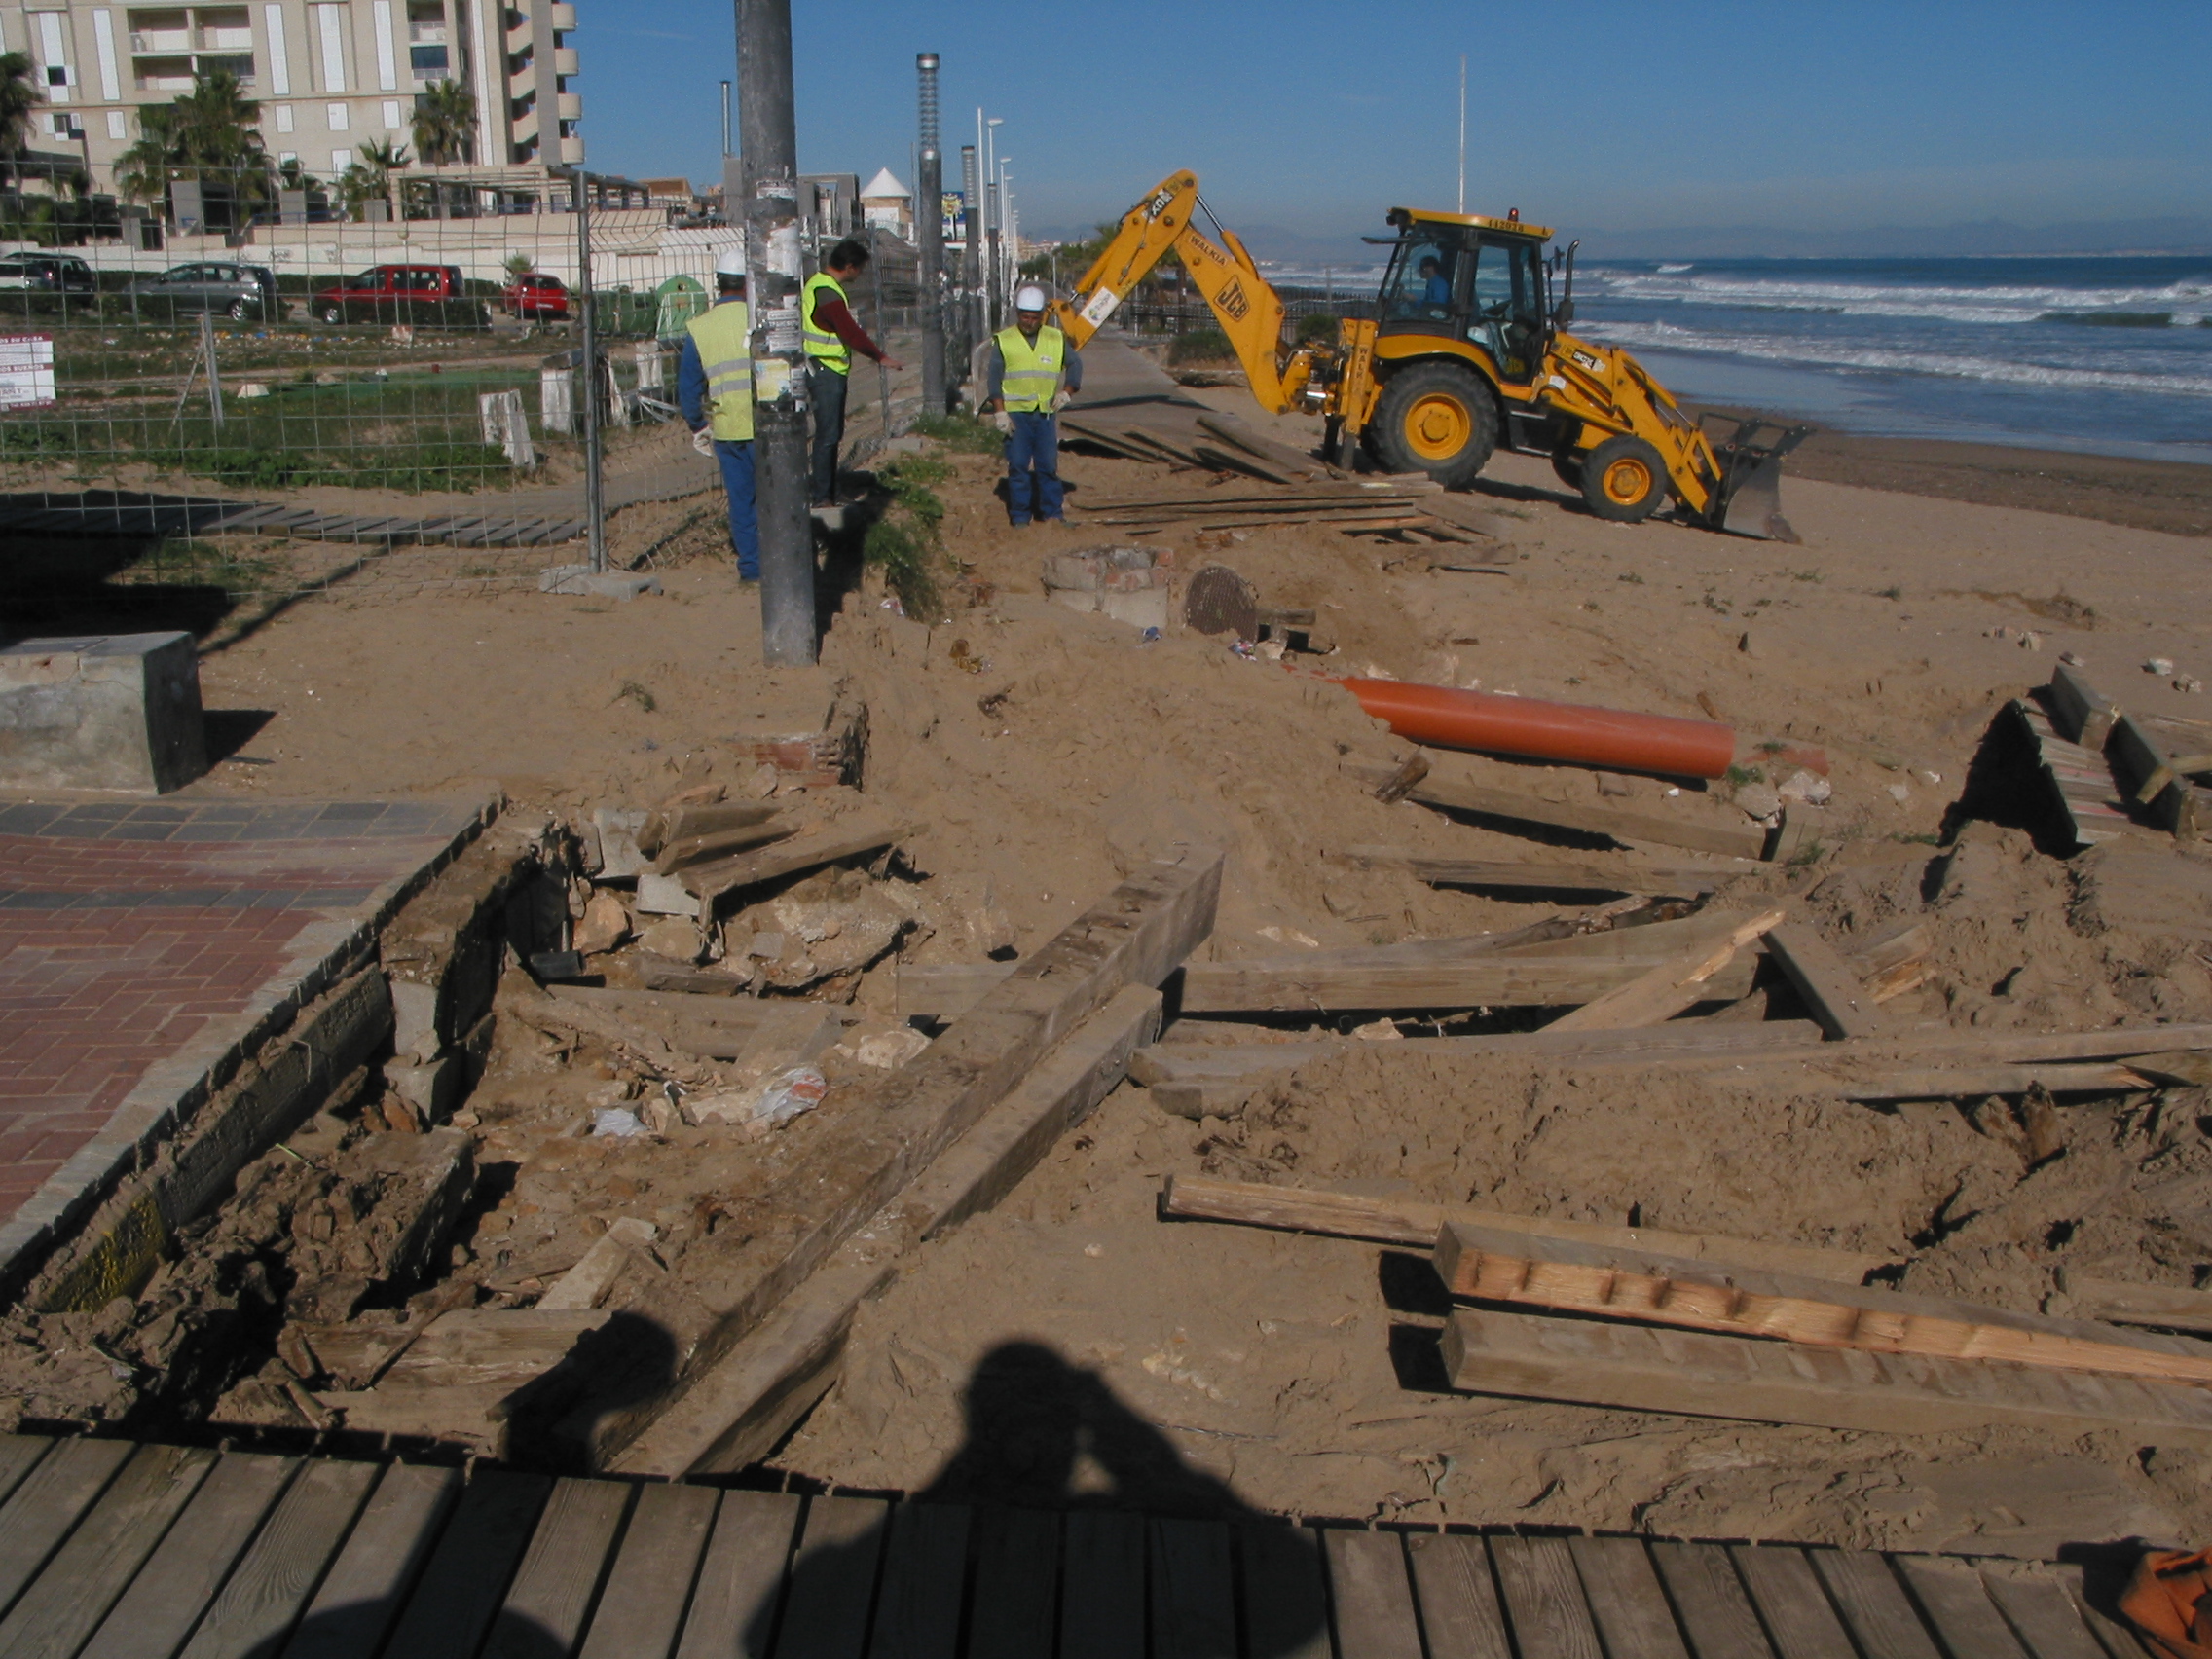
x,y
430,1088
619,859
1145,610
578,580
102,712
664,896
414,1021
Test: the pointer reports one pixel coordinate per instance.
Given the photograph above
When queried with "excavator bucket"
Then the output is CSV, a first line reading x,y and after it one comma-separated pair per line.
x,y
1750,499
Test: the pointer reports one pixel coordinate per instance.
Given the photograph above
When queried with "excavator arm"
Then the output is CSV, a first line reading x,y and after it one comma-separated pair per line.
x,y
1247,307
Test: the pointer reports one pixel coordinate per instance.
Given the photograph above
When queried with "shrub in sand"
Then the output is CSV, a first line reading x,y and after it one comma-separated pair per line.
x,y
905,542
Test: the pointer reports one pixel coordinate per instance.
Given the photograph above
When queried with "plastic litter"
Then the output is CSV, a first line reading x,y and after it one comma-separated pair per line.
x,y
762,1106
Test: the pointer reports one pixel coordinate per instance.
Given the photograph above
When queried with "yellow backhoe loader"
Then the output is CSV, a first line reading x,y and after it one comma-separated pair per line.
x,y
1468,350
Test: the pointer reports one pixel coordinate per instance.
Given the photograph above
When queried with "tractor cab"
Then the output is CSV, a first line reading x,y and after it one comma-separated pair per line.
x,y
1468,277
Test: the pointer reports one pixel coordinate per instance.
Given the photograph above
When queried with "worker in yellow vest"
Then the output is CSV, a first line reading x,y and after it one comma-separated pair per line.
x,y
1033,372
714,387
830,336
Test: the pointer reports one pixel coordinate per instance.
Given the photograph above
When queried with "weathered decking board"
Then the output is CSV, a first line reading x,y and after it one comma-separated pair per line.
x,y
171,1553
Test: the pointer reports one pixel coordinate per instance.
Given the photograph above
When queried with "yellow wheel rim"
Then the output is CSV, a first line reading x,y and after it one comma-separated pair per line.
x,y
1627,481
1438,427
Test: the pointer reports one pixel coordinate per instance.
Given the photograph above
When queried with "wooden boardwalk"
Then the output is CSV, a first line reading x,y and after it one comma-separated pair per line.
x,y
124,1551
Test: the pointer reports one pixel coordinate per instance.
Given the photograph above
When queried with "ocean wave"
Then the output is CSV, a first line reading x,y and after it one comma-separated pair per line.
x,y
2190,297
1675,270
1815,353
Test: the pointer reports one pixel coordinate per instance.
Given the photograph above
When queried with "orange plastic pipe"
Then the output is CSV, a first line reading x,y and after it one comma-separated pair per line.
x,y
1611,737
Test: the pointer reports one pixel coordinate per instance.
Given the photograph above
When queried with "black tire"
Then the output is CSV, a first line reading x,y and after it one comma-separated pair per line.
x,y
1624,480
334,314
1567,464
1436,418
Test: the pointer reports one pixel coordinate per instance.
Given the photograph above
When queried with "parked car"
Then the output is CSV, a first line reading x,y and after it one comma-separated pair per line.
x,y
402,293
537,295
48,275
235,291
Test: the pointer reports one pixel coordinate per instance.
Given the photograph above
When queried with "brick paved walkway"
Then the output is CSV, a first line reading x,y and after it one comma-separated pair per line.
x,y
143,944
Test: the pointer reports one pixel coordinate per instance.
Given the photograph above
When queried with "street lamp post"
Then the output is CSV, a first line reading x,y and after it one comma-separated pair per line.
x,y
993,214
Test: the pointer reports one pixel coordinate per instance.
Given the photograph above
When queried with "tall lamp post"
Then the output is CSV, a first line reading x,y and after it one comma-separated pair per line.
x,y
993,213
930,229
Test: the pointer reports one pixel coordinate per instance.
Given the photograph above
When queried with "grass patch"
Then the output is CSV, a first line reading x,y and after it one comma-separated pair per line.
x,y
637,694
1313,328
1738,777
1200,346
905,543
961,432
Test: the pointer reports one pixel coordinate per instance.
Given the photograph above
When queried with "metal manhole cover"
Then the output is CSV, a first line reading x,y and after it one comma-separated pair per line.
x,y
1219,601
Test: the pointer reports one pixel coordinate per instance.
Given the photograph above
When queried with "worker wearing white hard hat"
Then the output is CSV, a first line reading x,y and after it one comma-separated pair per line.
x,y
713,388
1033,372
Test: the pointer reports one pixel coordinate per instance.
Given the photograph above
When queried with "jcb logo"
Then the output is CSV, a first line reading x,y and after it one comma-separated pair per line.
x,y
1158,205
1232,301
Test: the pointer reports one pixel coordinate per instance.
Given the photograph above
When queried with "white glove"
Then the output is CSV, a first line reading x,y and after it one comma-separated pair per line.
x,y
702,440
1062,400
1003,421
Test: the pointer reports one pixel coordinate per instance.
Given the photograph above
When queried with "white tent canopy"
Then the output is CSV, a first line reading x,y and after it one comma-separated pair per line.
x,y
884,188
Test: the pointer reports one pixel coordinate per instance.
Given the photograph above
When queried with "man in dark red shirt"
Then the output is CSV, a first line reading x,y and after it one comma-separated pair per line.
x,y
831,337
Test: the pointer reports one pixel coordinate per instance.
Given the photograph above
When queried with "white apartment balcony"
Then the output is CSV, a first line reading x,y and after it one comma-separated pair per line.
x,y
571,152
425,34
525,125
563,15
164,75
237,39
570,105
178,39
564,61
519,37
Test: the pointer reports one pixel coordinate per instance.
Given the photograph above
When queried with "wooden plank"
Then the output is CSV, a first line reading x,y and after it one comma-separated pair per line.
x,y
2117,1640
2139,765
1710,1602
1274,985
2161,1306
1370,1595
467,1573
1798,1618
1741,839
367,1585
1659,993
580,1288
1951,1594
553,1588
1286,1614
1947,1082
1626,1598
1102,1605
1873,1605
1620,876
853,837
47,1504
1692,1374
1193,1613
741,1406
1495,1265
2036,1604
925,1573
825,1607
641,1612
266,1594
1018,1558
18,1455
1831,991
1543,1599
1397,1221
734,1603
166,1598
88,1573
689,850
2081,713
885,1131
1460,1609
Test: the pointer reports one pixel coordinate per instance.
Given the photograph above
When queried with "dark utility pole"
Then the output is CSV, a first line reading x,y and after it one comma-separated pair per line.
x,y
595,499
768,139
971,240
931,228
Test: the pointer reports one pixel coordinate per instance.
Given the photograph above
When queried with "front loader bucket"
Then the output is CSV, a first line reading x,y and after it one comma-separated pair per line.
x,y
1748,501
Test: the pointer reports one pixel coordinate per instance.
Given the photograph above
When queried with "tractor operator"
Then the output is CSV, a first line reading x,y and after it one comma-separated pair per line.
x,y
831,337
714,387
1033,374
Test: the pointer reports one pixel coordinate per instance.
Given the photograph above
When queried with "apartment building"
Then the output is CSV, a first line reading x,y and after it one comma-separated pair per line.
x,y
329,74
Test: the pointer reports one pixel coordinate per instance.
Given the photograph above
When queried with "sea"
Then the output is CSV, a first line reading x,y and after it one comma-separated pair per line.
x,y
2107,355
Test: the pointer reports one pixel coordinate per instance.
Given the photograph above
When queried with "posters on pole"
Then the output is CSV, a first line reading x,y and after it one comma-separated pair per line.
x,y
953,205
26,371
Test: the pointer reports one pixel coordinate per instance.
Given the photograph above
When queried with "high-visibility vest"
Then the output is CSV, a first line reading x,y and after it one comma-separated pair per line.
x,y
723,335
822,344
1032,371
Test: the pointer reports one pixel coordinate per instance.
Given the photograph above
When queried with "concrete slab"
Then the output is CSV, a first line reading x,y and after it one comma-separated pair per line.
x,y
102,712
578,579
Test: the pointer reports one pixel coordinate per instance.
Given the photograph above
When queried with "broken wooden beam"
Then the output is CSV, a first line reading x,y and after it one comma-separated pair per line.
x,y
681,853
1832,992
1502,979
2159,1307
1399,1221
1966,1082
1659,993
737,1410
1619,875
1693,1373
1708,834
1494,1265
2083,714
821,1179
859,836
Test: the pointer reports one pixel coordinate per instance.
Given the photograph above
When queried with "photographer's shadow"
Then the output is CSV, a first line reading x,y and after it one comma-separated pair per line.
x,y
1055,1462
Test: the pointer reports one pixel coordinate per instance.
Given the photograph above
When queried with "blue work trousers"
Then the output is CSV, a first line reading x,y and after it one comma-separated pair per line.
x,y
1033,467
744,524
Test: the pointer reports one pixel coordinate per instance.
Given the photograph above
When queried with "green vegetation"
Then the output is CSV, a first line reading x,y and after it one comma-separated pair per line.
x,y
961,433
1313,328
907,543
1201,346
637,694
1738,777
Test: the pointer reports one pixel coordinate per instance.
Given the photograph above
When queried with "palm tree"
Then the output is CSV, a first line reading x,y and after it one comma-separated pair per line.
x,y
20,95
369,179
445,122
210,129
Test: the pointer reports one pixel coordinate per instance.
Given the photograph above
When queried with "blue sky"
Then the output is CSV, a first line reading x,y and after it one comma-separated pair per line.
x,y
1312,119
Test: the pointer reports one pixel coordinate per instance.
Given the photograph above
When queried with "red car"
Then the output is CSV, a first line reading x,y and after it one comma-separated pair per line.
x,y
535,294
402,293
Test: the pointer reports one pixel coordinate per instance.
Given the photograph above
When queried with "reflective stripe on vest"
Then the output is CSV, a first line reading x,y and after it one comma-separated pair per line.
x,y
1032,372
723,335
822,344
